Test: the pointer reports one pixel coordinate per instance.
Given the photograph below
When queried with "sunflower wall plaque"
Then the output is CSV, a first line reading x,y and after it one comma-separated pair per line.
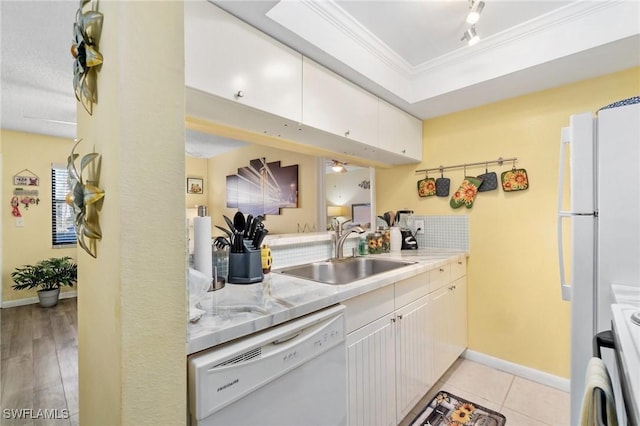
x,y
83,198
86,35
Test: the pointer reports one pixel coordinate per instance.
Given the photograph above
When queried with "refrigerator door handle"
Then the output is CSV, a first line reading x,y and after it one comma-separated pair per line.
x,y
565,287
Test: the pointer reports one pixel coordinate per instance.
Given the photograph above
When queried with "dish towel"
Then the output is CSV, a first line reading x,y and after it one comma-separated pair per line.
x,y
597,378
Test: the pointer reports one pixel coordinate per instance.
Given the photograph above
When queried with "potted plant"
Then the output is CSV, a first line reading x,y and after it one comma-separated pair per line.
x,y
48,276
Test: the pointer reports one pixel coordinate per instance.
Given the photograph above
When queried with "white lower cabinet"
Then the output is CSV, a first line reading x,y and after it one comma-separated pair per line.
x,y
388,359
448,318
388,366
371,374
400,340
413,350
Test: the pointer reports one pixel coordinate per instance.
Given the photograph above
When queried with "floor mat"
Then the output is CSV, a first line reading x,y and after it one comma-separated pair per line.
x,y
446,409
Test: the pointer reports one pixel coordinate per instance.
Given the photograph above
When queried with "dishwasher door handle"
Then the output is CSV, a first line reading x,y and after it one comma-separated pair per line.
x,y
286,338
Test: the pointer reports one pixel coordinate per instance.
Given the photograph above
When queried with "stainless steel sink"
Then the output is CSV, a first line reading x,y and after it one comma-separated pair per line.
x,y
343,271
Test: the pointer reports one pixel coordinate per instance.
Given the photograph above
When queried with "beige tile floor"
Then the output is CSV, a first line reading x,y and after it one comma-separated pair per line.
x,y
521,401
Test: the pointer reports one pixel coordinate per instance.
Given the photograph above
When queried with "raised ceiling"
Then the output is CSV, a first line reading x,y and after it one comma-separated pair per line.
x,y
407,52
411,54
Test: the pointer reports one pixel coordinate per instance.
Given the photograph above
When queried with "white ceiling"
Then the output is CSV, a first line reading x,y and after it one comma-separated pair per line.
x,y
407,52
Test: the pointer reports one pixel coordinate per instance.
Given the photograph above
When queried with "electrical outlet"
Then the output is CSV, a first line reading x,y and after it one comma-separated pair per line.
x,y
419,226
19,222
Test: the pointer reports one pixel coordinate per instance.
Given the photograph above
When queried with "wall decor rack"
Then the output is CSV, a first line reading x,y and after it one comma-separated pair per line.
x,y
499,161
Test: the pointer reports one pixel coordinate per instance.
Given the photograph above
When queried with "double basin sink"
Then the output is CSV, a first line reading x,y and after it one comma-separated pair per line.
x,y
343,271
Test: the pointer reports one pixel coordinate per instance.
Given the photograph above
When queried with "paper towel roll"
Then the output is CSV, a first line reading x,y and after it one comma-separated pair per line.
x,y
202,257
396,240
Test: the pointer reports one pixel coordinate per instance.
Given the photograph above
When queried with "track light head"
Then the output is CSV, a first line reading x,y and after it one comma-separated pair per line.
x,y
471,36
474,13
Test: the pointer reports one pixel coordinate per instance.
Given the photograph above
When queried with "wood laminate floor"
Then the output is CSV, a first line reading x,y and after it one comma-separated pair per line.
x,y
39,365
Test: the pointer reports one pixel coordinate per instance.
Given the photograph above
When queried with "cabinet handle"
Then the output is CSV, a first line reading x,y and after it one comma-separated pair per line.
x,y
441,270
459,262
393,320
451,287
347,133
404,151
399,317
239,94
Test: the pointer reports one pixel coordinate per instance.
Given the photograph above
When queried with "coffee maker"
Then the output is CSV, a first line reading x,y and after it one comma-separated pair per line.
x,y
409,241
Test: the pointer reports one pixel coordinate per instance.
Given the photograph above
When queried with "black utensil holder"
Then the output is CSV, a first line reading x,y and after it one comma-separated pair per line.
x,y
245,268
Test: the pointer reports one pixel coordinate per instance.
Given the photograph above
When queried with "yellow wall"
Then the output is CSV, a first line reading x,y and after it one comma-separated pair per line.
x,y
287,222
132,300
515,308
31,243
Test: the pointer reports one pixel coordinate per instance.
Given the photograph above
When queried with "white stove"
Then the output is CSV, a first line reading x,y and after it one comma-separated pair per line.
x,y
626,326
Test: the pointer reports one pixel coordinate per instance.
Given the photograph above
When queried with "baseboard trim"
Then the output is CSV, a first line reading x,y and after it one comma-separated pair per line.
x,y
519,370
32,300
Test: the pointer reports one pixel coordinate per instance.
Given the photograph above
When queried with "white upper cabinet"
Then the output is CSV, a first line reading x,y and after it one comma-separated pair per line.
x,y
335,105
399,132
238,76
228,58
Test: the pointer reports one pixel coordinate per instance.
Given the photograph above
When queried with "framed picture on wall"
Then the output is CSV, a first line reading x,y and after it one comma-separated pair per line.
x,y
195,185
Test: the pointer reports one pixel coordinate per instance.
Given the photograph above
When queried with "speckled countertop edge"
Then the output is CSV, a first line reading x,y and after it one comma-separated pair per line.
x,y
239,310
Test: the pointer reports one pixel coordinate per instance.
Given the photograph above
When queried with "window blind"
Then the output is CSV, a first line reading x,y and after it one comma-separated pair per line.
x,y
62,215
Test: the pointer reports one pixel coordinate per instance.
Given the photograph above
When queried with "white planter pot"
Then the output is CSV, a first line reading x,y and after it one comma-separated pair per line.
x,y
48,298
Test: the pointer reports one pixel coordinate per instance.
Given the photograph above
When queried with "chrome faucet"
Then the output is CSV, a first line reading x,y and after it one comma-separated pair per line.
x,y
341,236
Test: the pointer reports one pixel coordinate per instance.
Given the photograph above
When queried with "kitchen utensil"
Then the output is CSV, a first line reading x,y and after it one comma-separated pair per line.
x,y
226,231
387,218
392,218
221,242
259,237
238,244
514,180
442,185
489,180
229,223
254,224
239,222
247,225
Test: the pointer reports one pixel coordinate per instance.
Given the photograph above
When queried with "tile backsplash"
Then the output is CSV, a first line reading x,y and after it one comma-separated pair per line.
x,y
446,231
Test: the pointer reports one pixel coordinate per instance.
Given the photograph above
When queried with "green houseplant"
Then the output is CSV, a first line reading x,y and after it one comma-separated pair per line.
x,y
48,276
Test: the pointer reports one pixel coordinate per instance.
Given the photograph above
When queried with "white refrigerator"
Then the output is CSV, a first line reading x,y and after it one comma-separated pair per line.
x,y
600,155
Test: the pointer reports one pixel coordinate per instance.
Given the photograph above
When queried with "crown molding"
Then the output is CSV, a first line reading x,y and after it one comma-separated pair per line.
x,y
574,28
348,26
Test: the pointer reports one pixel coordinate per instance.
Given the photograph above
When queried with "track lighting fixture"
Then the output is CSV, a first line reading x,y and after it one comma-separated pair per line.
x,y
476,9
471,36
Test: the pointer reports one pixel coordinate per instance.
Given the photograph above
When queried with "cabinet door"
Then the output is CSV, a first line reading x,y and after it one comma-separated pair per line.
x,y
333,104
459,311
230,59
371,374
413,355
399,132
439,317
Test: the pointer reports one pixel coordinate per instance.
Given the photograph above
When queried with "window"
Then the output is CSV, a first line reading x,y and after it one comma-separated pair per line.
x,y
62,215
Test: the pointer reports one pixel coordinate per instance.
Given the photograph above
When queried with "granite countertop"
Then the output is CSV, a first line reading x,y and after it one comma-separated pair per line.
x,y
239,310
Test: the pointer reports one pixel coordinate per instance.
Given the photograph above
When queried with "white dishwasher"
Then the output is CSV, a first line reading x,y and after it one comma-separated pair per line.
x,y
293,374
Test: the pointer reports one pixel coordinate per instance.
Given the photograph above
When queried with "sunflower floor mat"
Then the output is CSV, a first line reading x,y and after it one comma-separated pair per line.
x,y
446,409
